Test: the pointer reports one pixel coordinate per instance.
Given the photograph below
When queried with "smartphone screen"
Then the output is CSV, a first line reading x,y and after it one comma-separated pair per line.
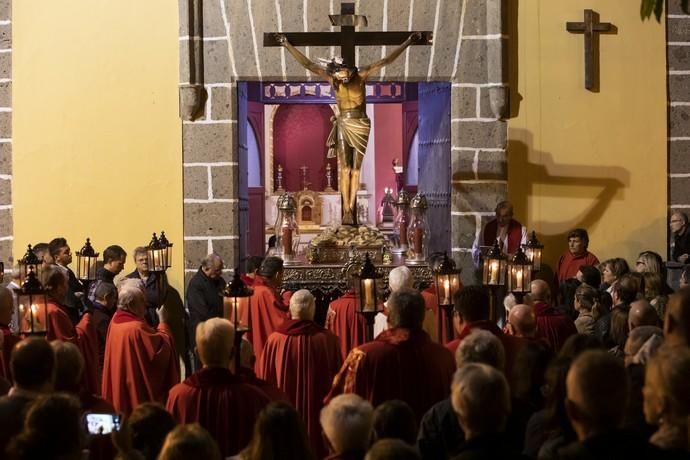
x,y
102,423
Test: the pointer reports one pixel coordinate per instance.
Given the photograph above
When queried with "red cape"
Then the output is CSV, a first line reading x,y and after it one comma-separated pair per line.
x,y
83,335
273,392
400,364
10,340
342,320
140,362
220,402
267,312
302,358
553,326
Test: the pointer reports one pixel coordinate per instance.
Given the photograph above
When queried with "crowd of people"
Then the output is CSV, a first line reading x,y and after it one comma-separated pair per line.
x,y
593,363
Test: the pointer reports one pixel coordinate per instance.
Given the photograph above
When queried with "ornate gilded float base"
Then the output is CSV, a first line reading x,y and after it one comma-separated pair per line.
x,y
337,244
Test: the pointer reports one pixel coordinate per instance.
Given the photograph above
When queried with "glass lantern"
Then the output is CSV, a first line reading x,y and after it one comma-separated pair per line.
x,y
30,262
86,262
418,230
368,284
239,296
167,250
402,220
32,304
494,272
533,251
447,281
286,228
519,274
155,255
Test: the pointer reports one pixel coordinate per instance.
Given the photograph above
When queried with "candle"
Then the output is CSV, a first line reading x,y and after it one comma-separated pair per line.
x,y
368,295
518,279
418,239
493,272
446,292
403,233
287,241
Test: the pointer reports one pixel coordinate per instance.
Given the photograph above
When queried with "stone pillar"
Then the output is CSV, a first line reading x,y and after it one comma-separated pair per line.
x,y
6,225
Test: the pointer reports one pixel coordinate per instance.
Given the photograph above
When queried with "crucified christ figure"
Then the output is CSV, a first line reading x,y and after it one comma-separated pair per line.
x,y
350,134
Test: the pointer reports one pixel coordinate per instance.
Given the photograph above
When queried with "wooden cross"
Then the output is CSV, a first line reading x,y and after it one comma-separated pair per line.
x,y
591,29
347,38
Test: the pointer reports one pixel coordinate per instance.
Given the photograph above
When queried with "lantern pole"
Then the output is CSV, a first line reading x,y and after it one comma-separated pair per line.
x,y
237,290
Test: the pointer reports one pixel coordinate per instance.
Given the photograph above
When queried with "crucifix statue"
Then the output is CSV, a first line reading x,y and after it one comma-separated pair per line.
x,y
350,133
591,28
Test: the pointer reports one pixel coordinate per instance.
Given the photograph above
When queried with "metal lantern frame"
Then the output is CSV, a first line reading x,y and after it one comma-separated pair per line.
x,y
30,261
519,274
235,291
367,287
534,251
87,259
447,281
494,270
166,247
32,306
154,255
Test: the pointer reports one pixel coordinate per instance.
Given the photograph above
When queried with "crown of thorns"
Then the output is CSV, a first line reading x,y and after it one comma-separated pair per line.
x,y
335,64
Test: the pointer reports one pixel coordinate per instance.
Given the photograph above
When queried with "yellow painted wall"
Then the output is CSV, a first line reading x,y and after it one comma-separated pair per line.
x,y
584,159
97,137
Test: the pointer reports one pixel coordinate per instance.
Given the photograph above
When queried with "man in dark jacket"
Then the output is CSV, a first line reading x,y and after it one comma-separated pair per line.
x,y
155,285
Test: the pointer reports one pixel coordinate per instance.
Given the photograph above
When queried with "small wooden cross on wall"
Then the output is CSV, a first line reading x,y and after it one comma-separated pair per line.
x,y
591,28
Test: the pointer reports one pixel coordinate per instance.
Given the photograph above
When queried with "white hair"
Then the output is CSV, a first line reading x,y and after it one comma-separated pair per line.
x,y
128,295
509,302
400,277
481,398
135,283
347,422
214,342
481,347
302,305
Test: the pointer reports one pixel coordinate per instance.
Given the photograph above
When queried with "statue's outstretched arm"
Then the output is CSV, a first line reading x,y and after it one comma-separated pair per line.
x,y
301,58
365,71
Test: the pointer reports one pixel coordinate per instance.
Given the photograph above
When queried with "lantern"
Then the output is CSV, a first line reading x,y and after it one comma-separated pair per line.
x,y
533,250
447,280
519,274
494,267
235,292
155,254
367,286
418,230
286,228
402,220
86,262
167,250
31,299
29,262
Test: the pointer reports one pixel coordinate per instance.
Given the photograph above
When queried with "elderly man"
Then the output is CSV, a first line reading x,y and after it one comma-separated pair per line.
x,y
576,256
140,362
400,361
481,399
9,339
62,256
597,394
204,298
440,435
552,325
681,237
155,284
302,358
114,258
32,364
213,396
347,422
509,232
522,322
267,308
642,314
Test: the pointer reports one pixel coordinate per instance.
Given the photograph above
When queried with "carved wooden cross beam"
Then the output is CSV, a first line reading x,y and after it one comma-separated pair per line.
x,y
591,28
347,38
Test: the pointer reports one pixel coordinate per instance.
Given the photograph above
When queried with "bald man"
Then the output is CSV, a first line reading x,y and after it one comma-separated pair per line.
x,y
642,314
221,402
301,358
9,339
522,322
597,394
552,325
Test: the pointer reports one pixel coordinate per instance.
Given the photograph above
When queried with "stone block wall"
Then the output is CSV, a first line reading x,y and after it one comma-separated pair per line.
x,y
678,56
6,226
221,44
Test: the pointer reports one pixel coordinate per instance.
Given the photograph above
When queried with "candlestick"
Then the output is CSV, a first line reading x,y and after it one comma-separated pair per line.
x,y
279,179
329,178
287,241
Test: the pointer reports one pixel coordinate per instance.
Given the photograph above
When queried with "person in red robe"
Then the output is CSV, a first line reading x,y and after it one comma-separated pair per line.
x,y
267,310
221,402
343,320
247,364
251,265
509,233
60,326
401,363
576,256
552,325
9,340
140,362
471,312
302,358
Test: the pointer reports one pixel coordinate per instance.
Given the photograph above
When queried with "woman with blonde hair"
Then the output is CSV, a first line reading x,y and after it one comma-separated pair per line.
x,y
653,292
189,441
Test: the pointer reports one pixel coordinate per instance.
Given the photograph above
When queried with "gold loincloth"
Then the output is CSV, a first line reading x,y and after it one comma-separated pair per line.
x,y
354,127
